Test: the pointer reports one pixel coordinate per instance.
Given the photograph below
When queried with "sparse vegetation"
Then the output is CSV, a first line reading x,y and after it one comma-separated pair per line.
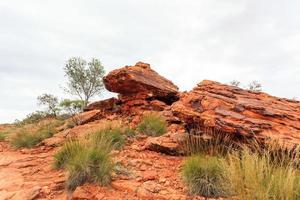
x,y
255,176
30,138
89,160
31,118
205,176
235,83
128,132
72,108
153,124
68,151
25,139
3,136
210,142
281,154
254,86
50,102
114,135
84,78
89,165
266,171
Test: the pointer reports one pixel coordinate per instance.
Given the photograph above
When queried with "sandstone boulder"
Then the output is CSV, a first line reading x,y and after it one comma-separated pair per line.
x,y
241,112
170,144
106,105
142,80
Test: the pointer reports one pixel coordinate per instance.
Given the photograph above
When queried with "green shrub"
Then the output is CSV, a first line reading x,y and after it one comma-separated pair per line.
x,y
29,140
255,176
68,151
89,165
113,136
128,132
153,124
88,160
25,139
33,118
3,136
45,131
205,176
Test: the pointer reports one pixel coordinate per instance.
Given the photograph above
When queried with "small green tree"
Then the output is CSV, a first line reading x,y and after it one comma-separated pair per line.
x,y
84,78
255,86
235,83
72,108
51,103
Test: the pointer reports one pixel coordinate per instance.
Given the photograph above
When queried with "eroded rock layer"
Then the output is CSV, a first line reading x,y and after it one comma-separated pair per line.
x,y
142,80
242,112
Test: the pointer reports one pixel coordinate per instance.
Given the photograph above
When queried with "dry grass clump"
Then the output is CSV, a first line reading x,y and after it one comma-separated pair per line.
x,y
68,151
85,162
205,176
209,142
282,154
153,124
93,165
115,136
89,160
252,170
256,176
27,139
3,135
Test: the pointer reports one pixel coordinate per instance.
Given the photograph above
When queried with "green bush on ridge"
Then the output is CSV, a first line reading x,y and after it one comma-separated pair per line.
x,y
153,124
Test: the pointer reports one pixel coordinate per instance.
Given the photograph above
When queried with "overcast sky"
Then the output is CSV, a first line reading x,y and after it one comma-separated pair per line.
x,y
184,40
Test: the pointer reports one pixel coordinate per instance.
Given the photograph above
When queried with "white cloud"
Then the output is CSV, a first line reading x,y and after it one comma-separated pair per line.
x,y
186,41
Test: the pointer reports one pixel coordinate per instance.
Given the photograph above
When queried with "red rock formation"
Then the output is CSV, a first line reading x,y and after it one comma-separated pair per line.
x,y
142,80
242,112
104,105
140,89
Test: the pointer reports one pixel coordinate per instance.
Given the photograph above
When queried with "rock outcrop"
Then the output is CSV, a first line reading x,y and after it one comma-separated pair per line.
x,y
139,89
142,80
241,112
106,105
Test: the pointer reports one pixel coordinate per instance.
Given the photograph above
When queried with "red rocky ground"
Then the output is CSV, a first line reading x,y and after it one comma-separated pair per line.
x,y
141,174
148,168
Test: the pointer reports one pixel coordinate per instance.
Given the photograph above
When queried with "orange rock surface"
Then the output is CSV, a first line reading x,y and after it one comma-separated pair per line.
x,y
140,79
147,167
241,112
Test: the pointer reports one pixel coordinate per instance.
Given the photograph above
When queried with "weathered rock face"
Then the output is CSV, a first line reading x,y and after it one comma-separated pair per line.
x,y
241,112
104,105
141,79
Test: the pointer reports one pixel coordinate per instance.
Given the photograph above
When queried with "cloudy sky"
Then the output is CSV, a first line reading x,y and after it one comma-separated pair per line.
x,y
186,41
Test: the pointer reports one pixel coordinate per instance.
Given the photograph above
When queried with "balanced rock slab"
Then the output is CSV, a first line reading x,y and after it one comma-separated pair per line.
x,y
241,112
141,79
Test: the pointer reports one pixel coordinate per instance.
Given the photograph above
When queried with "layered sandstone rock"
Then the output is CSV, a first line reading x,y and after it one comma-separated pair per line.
x,y
142,80
106,105
241,112
139,89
